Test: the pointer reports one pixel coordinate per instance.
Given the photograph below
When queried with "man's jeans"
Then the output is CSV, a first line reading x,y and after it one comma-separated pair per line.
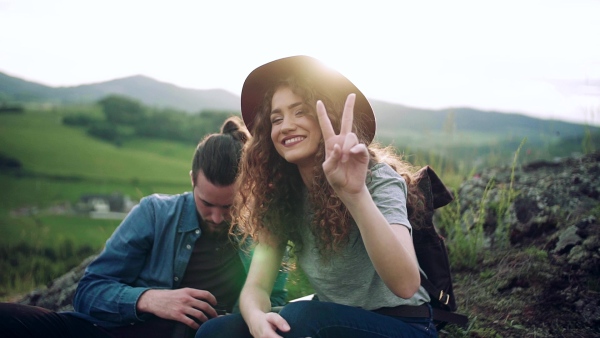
x,y
24,321
326,320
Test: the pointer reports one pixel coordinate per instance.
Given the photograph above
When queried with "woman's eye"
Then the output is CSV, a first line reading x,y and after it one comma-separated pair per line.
x,y
300,113
276,120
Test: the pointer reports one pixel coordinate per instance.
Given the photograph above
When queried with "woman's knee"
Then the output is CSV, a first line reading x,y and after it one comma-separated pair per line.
x,y
305,311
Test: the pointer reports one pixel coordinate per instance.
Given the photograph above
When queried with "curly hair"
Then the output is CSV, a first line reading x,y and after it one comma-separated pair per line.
x,y
271,190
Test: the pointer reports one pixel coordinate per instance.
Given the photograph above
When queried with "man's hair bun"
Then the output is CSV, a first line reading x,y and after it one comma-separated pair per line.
x,y
235,127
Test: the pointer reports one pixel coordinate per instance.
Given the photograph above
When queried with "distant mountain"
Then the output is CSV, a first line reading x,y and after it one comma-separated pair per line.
x,y
13,89
149,91
392,119
471,120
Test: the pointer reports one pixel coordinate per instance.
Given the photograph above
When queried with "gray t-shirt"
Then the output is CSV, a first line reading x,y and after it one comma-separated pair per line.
x,y
349,277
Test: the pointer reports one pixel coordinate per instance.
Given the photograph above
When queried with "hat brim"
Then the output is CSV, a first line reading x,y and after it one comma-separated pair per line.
x,y
263,78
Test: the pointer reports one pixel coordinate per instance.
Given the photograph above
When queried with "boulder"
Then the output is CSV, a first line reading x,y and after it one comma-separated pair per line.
x,y
58,294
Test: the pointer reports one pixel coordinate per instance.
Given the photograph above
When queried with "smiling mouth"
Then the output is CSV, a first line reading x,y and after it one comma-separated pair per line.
x,y
293,140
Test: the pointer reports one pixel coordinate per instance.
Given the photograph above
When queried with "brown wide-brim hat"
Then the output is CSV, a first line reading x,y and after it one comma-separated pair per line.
x,y
266,76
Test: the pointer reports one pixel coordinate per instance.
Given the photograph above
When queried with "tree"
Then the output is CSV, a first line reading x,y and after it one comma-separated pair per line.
x,y
122,110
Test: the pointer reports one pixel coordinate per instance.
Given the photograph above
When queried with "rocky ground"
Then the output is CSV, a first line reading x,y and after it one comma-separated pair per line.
x,y
539,270
541,277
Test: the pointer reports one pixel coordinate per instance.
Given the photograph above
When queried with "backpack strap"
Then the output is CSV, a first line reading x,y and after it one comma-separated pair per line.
x,y
443,317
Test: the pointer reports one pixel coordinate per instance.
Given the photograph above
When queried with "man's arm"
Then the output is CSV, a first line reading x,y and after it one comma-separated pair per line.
x,y
119,287
105,291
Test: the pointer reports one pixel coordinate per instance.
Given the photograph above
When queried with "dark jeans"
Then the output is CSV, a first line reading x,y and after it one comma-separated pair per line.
x,y
21,321
24,321
326,320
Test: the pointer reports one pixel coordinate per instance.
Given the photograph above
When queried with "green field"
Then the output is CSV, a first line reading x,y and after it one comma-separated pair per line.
x,y
51,230
44,146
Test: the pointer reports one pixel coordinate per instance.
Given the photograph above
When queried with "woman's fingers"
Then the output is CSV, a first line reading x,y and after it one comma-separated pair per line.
x,y
349,142
348,115
332,161
324,122
278,322
347,118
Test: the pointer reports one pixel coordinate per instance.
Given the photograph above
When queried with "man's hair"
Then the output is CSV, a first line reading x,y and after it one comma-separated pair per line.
x,y
218,155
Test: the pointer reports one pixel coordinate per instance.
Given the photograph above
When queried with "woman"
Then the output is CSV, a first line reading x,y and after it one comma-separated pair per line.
x,y
310,176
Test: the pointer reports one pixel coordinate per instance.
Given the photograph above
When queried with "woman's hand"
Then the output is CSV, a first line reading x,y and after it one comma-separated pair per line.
x,y
254,298
265,326
346,160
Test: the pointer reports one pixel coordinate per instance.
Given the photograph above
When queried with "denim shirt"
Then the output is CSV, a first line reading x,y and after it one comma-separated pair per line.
x,y
150,249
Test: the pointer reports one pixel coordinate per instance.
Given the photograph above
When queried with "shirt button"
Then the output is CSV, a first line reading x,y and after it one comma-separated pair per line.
x,y
197,231
176,279
188,246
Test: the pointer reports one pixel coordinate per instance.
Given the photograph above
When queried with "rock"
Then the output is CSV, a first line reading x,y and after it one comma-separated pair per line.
x,y
548,208
567,239
58,295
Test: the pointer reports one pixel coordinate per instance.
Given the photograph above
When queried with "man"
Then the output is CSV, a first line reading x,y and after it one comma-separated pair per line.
x,y
170,266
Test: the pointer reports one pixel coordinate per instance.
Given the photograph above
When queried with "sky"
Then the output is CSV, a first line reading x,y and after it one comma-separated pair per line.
x,y
538,58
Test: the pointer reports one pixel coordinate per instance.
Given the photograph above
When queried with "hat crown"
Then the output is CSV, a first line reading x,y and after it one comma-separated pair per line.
x,y
265,77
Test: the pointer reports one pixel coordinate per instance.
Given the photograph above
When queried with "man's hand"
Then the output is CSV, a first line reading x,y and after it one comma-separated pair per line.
x,y
183,305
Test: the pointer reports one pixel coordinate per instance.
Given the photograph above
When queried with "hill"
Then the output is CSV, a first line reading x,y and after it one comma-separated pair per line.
x,y
495,125
469,130
462,119
147,90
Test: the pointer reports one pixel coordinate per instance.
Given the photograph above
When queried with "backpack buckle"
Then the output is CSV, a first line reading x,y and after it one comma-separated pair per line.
x,y
444,298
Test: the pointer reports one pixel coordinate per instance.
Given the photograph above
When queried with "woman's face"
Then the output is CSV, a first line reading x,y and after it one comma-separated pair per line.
x,y
295,130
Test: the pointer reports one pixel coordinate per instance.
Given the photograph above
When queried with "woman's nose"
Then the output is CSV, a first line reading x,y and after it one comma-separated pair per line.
x,y
287,124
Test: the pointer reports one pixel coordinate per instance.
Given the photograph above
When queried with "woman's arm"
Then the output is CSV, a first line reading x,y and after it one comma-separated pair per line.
x,y
255,305
346,163
389,246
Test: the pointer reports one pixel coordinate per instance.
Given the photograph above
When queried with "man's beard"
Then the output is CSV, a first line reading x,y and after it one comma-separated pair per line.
x,y
216,231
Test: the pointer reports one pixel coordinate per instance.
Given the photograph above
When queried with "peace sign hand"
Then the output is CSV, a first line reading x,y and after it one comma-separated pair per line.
x,y
346,160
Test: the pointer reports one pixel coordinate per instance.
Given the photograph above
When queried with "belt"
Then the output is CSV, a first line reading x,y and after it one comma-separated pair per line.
x,y
420,311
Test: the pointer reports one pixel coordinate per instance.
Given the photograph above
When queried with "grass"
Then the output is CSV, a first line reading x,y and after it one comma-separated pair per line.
x,y
43,192
464,229
43,145
37,249
507,196
45,231
298,285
